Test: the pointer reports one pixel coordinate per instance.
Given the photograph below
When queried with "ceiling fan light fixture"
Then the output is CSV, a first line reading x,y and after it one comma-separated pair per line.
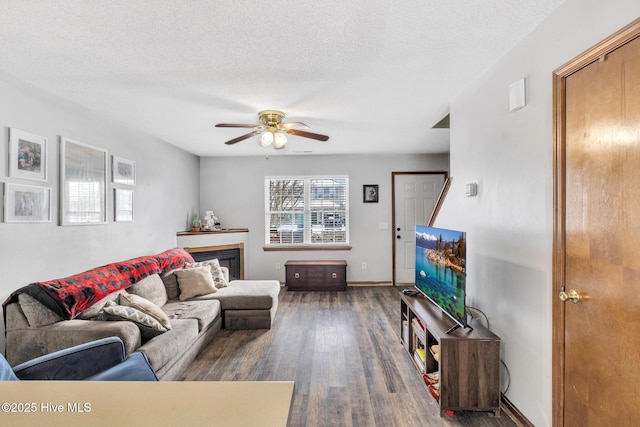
x,y
279,140
273,130
266,138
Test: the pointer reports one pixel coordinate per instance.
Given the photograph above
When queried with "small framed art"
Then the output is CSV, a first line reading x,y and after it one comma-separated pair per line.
x,y
27,203
370,193
123,205
123,171
27,155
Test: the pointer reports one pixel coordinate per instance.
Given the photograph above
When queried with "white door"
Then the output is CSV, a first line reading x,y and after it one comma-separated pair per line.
x,y
415,195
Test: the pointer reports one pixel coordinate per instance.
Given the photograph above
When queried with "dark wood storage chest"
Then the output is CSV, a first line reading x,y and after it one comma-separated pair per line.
x,y
316,275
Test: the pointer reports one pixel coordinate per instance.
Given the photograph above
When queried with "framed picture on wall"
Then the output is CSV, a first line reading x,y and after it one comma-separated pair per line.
x,y
123,171
27,203
370,193
27,155
122,205
83,183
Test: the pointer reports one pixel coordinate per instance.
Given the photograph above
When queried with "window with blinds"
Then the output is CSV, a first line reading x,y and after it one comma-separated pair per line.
x,y
306,210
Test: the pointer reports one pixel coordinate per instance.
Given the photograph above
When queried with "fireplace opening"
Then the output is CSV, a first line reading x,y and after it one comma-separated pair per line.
x,y
228,257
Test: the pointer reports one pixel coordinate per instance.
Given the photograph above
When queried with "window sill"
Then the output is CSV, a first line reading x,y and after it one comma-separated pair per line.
x,y
274,248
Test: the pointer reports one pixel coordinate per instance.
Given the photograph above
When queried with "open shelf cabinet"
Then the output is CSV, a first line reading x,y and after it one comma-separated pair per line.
x,y
466,361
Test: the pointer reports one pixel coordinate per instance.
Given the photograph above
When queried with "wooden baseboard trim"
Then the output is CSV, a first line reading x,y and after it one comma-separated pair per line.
x,y
359,284
514,413
369,284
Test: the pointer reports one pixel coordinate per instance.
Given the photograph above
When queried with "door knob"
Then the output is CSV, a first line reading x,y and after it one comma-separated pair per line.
x,y
572,296
398,237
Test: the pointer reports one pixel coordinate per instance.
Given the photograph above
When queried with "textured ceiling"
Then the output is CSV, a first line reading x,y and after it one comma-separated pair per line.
x,y
374,75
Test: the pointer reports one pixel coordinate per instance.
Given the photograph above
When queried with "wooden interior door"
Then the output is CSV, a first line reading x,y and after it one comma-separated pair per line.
x,y
414,198
597,238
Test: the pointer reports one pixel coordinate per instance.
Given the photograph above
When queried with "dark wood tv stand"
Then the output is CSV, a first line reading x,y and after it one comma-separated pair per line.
x,y
468,362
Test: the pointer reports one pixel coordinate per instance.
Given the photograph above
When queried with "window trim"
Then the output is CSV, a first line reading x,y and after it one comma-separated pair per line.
x,y
307,246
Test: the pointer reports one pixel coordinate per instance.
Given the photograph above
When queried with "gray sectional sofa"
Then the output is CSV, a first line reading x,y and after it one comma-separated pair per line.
x,y
168,315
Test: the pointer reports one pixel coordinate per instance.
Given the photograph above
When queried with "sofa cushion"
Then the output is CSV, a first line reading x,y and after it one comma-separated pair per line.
x,y
151,288
25,344
216,271
195,281
205,312
247,319
246,295
14,317
149,327
164,348
145,306
36,313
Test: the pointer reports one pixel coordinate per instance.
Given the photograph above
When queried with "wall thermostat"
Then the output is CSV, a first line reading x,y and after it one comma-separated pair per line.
x,y
471,189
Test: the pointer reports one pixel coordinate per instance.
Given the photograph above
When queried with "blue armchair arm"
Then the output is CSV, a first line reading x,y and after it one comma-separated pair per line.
x,y
102,359
135,368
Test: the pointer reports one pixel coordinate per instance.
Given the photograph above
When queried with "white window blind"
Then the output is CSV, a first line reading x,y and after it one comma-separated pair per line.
x,y
306,210
85,201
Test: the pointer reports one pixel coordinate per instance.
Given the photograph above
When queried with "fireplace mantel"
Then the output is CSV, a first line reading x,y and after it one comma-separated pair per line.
x,y
221,241
218,231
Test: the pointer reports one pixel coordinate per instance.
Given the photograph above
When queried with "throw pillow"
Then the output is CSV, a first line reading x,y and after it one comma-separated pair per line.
x,y
216,272
151,288
149,327
145,306
37,314
171,284
95,311
195,281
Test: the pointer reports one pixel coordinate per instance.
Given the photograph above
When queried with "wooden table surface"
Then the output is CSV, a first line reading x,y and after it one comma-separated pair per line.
x,y
171,403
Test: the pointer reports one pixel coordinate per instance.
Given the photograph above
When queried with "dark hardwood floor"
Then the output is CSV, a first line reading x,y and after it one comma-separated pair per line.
x,y
343,351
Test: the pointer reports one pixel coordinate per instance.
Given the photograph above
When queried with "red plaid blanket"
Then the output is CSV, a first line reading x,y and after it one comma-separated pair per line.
x,y
71,295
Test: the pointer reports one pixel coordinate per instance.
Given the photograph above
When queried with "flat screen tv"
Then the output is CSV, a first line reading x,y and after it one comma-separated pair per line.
x,y
441,270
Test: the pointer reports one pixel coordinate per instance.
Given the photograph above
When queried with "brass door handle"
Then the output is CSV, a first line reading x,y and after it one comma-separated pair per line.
x,y
571,295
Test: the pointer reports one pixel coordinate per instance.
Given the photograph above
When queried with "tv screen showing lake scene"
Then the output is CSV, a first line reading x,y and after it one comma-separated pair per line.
x,y
440,269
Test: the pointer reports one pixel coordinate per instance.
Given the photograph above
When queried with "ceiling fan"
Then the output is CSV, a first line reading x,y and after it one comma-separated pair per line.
x,y
273,130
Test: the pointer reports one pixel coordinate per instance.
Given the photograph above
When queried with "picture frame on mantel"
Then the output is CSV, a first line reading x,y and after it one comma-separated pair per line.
x,y
83,183
123,171
370,193
27,155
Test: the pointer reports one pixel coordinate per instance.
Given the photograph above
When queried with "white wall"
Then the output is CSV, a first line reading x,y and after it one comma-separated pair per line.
x,y
509,224
165,195
234,189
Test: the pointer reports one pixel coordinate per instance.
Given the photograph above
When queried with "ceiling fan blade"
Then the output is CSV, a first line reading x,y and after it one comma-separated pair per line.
x,y
293,125
234,125
242,138
308,134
